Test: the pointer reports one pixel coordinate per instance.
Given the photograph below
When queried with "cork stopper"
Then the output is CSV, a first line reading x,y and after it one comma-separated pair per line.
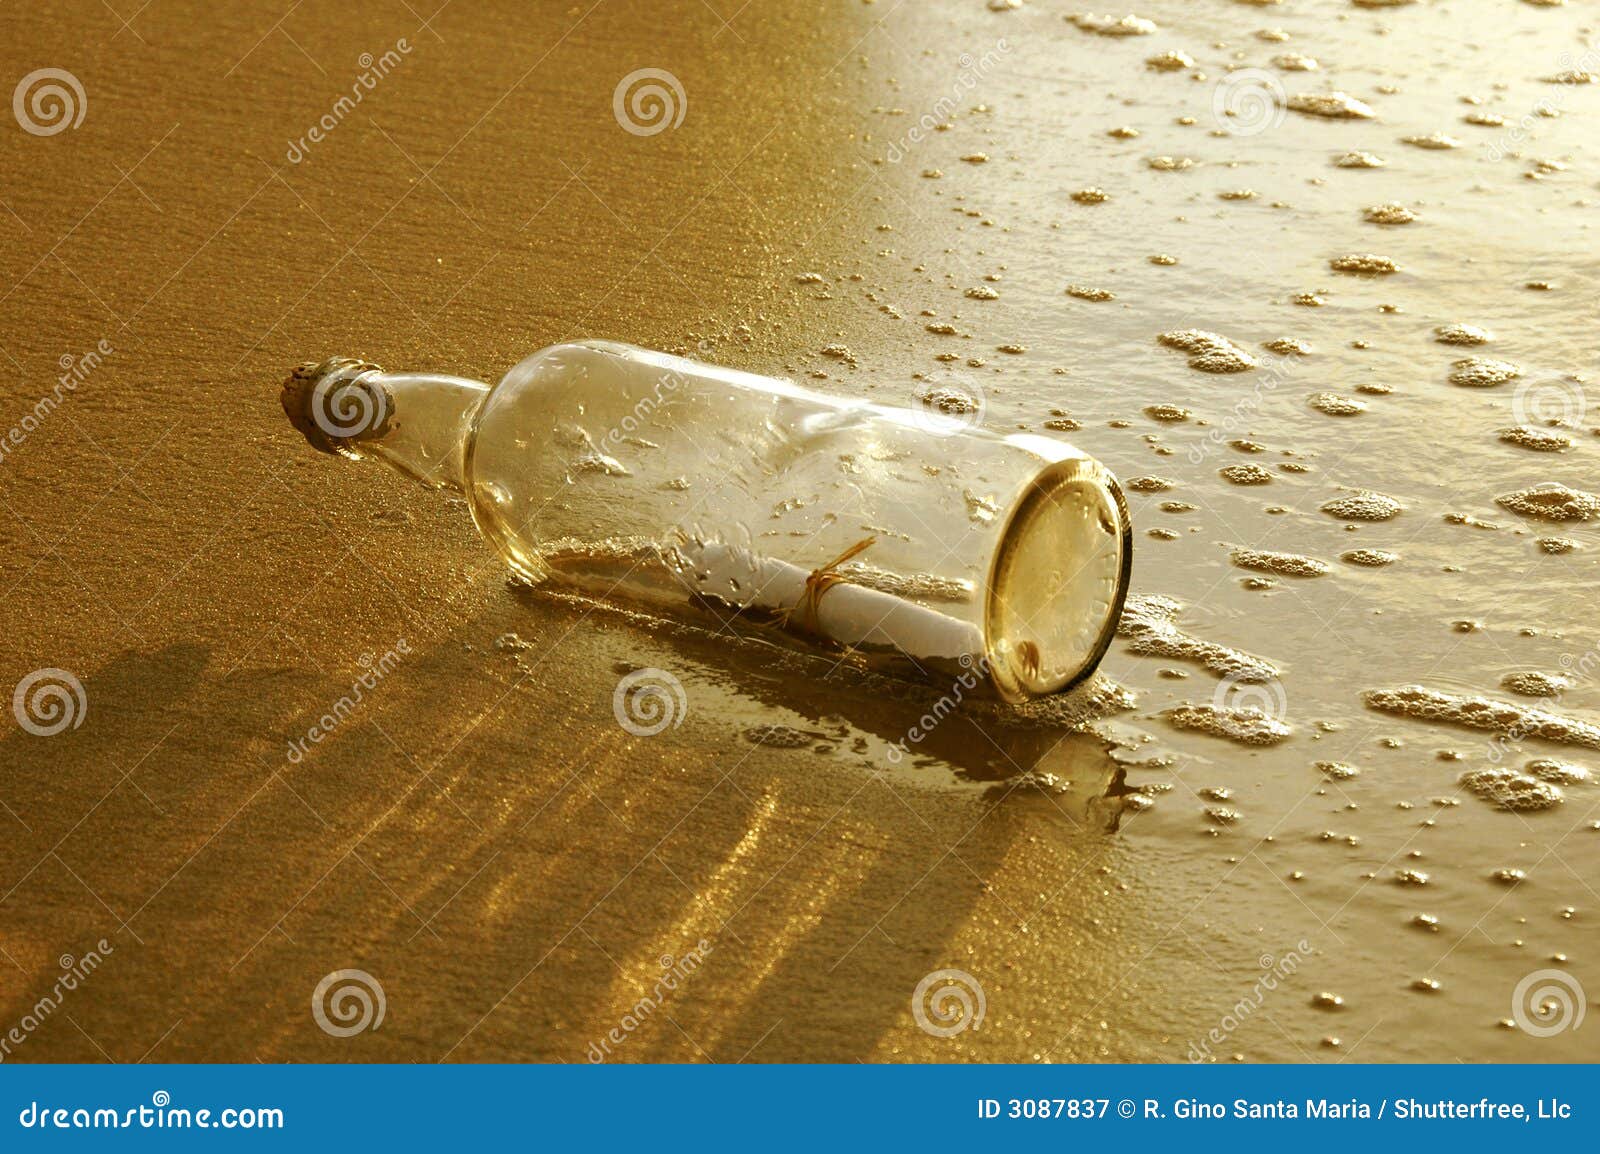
x,y
336,403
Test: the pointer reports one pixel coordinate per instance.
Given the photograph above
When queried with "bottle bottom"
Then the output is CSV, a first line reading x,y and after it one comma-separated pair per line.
x,y
1058,581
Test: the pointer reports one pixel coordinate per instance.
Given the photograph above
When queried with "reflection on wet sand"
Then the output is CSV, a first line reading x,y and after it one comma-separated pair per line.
x,y
848,203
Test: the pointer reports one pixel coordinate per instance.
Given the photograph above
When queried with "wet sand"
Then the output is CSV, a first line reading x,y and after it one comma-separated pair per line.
x,y
515,869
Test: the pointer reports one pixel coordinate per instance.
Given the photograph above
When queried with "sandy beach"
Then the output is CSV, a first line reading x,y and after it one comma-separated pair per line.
x,y
1348,205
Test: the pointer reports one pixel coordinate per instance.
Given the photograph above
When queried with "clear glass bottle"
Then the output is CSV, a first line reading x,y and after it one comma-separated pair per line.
x,y
912,541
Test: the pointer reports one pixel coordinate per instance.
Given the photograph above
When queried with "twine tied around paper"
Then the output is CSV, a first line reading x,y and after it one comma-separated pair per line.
x,y
819,582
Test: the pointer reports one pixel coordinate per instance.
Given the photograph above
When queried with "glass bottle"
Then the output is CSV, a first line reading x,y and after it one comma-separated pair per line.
x,y
909,540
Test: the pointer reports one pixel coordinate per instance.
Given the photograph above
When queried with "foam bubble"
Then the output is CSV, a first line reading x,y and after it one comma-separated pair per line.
x,y
1150,625
1333,405
1364,263
1552,502
1358,160
1533,683
1512,791
1209,352
1555,546
1371,558
1129,25
1150,484
1245,475
781,737
1483,713
1539,440
950,399
1363,505
1459,334
1089,293
1433,140
1390,213
1573,76
1284,564
1483,372
1556,772
1246,726
1334,105
1171,61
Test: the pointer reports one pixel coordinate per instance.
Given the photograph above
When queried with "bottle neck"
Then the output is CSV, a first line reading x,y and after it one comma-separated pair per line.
x,y
416,422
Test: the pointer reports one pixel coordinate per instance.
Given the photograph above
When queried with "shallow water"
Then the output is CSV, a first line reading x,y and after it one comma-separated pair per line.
x,y
484,836
1460,606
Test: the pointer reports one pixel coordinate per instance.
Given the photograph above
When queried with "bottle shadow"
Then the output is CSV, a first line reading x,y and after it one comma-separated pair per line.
x,y
820,956
109,814
829,883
